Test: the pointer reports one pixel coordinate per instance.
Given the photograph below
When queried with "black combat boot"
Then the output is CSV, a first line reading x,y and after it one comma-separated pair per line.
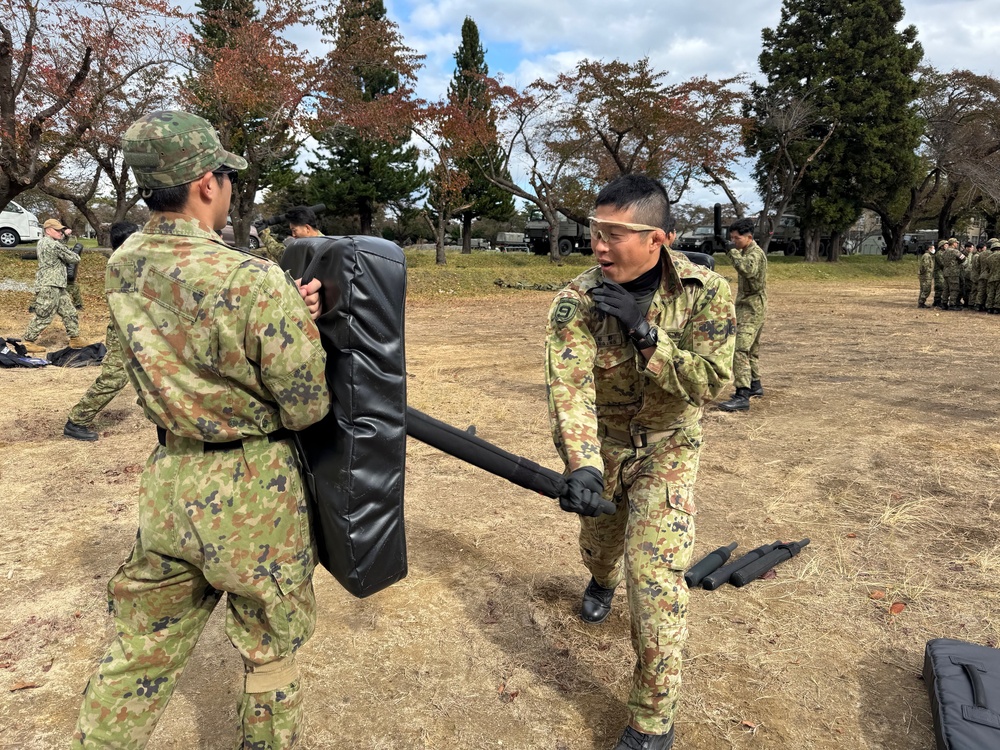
x,y
756,389
921,304
633,740
739,402
596,603
79,432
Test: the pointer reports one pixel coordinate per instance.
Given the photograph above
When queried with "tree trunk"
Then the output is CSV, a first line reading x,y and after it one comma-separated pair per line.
x,y
439,231
836,245
466,233
810,239
366,214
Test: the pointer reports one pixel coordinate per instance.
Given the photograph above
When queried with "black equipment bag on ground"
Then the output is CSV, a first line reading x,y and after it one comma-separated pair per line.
x,y
356,455
963,680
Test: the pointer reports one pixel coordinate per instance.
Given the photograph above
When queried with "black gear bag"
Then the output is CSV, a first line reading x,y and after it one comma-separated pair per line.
x,y
963,680
355,456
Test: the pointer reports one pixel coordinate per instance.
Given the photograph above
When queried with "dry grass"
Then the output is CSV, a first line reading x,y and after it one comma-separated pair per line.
x,y
876,439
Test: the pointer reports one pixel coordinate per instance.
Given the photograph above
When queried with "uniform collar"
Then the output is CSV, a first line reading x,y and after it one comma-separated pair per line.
x,y
167,222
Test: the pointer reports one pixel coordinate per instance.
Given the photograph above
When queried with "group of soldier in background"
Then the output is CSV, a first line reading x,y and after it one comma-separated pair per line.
x,y
962,279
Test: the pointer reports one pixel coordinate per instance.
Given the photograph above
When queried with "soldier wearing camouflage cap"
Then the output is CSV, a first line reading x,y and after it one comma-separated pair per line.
x,y
221,502
990,269
51,295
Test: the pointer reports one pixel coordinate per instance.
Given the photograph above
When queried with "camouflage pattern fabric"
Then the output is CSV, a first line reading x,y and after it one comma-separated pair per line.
x,y
74,294
597,381
993,281
751,308
272,249
220,347
926,272
53,258
49,302
109,383
947,260
982,285
171,147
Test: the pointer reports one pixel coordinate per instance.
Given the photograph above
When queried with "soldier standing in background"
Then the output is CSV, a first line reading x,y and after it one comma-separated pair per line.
x,y
926,275
112,377
939,296
947,261
964,268
302,222
992,272
634,350
751,309
226,359
273,250
972,275
979,292
51,297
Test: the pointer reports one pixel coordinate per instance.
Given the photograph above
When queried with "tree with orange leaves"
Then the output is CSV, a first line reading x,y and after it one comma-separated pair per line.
x,y
254,86
60,61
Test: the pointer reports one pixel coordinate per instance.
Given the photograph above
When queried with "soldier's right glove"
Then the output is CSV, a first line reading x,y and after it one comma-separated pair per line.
x,y
583,494
77,248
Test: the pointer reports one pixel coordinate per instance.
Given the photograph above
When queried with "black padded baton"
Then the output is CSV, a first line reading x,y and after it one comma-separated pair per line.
x,y
478,452
709,564
723,574
757,568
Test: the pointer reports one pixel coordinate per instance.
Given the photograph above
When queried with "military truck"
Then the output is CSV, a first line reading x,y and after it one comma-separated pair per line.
x,y
915,242
510,242
572,236
786,237
701,240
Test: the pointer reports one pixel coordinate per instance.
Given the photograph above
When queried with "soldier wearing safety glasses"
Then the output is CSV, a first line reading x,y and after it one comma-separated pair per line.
x,y
635,348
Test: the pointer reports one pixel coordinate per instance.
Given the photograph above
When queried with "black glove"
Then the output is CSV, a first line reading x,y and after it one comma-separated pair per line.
x,y
612,299
583,494
77,248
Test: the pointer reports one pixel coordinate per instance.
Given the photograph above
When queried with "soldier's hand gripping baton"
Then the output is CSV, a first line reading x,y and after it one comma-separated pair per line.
x,y
723,574
761,565
708,564
476,451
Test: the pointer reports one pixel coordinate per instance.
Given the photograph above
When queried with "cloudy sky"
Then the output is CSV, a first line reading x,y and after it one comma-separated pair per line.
x,y
528,39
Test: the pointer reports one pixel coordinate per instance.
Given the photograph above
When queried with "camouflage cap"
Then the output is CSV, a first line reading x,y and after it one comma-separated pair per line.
x,y
942,243
952,240
171,147
53,224
993,243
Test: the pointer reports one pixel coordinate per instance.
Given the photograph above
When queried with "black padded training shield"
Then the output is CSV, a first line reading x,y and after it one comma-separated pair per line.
x,y
963,680
356,455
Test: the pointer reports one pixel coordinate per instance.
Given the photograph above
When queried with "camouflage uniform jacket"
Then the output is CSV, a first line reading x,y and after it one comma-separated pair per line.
x,y
595,375
751,265
972,266
218,343
926,269
991,266
53,258
948,261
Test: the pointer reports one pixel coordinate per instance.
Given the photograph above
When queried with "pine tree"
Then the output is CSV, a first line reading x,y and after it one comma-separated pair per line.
x,y
357,173
857,70
468,91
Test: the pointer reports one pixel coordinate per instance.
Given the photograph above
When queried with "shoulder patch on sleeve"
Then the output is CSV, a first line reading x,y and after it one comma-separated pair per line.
x,y
565,310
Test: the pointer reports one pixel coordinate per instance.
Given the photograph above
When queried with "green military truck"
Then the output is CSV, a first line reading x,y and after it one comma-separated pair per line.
x,y
572,236
700,240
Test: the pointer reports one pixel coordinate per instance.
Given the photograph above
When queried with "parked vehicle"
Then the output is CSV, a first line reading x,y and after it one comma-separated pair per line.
x,y
510,242
17,225
572,236
786,237
229,237
701,240
916,242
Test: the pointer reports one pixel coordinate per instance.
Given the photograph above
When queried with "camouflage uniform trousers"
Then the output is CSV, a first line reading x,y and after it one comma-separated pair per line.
x,y
938,286
979,297
649,542
109,383
993,295
75,295
952,289
925,289
749,324
50,301
230,521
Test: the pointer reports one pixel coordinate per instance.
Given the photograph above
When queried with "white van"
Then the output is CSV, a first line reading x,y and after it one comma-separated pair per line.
x,y
18,225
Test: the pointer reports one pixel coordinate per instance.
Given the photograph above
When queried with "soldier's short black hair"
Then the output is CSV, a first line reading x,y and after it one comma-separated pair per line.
x,y
301,216
645,196
121,231
174,198
742,227
968,244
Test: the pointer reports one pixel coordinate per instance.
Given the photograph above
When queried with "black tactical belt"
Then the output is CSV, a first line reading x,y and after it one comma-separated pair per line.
x,y
273,437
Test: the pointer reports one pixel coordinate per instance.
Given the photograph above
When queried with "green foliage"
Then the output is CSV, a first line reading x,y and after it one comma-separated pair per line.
x,y
354,174
856,68
468,90
217,18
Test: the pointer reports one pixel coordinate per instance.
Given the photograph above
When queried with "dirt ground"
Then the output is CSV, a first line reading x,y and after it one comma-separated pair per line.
x,y
877,439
